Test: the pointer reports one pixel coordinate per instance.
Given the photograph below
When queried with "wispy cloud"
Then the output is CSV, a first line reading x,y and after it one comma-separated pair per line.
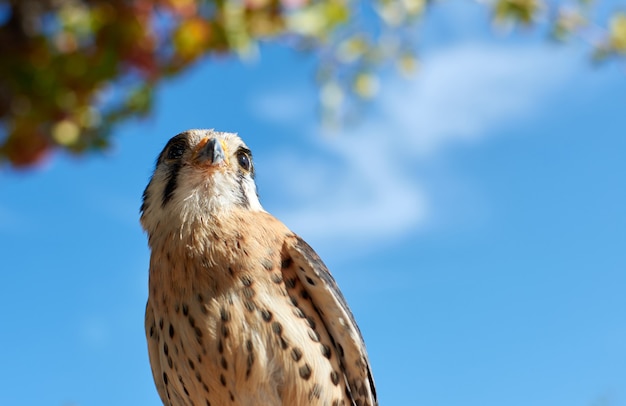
x,y
469,92
349,192
366,184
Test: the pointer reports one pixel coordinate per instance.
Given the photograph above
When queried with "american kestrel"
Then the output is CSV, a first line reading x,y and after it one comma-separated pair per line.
x,y
241,311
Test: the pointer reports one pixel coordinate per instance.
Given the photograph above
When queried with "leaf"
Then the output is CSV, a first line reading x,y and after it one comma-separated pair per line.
x,y
617,29
192,37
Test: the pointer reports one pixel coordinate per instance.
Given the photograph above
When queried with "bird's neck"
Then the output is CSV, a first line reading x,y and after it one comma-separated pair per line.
x,y
203,253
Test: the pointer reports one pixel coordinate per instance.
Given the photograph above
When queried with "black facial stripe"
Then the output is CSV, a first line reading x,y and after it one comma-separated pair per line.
x,y
144,200
242,192
172,182
180,143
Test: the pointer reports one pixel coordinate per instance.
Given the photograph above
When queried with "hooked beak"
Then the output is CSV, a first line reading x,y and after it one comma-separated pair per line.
x,y
211,152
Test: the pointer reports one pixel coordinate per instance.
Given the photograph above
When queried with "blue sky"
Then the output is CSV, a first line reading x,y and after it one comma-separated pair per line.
x,y
475,219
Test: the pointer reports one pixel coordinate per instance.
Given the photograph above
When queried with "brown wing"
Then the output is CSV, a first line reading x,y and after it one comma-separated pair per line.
x,y
152,335
338,320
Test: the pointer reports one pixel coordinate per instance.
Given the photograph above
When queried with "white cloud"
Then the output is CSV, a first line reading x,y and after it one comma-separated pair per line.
x,y
363,194
465,93
364,185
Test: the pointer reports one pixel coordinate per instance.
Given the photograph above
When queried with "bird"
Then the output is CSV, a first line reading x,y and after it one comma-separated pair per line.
x,y
240,310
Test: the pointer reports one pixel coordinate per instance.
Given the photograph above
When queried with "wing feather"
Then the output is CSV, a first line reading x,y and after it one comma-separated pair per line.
x,y
338,320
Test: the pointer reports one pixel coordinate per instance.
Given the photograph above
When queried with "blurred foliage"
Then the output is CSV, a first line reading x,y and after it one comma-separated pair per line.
x,y
72,69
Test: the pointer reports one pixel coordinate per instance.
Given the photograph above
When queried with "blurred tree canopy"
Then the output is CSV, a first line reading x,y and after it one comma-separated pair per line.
x,y
72,69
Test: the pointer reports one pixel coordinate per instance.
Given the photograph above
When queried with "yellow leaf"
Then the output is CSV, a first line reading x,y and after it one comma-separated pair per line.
x,y
366,85
523,11
65,132
351,49
319,19
191,37
407,64
618,32
414,7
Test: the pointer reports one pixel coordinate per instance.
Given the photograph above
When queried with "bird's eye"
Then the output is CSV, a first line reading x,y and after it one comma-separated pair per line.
x,y
175,151
243,158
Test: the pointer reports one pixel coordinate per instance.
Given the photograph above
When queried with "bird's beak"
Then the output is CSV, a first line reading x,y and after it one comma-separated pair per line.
x,y
210,151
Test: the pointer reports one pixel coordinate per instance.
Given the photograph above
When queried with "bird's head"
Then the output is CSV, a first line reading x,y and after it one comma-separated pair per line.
x,y
199,175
